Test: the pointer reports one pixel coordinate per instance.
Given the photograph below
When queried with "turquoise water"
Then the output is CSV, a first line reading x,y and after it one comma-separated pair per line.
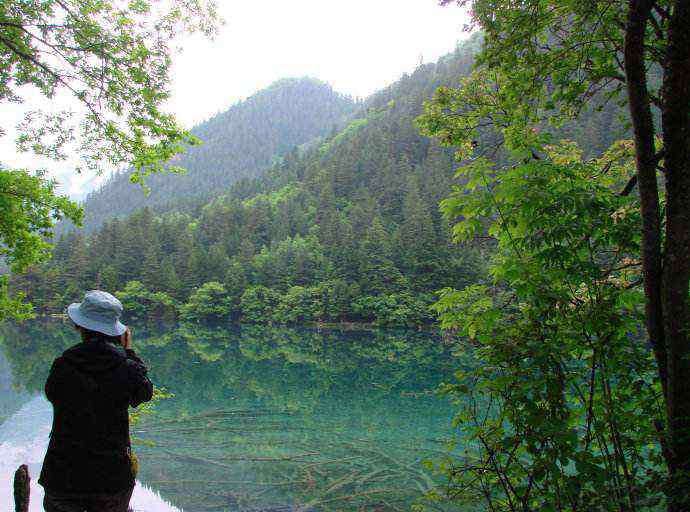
x,y
262,418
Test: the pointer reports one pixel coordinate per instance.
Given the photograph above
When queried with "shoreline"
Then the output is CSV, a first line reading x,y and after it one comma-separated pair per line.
x,y
341,326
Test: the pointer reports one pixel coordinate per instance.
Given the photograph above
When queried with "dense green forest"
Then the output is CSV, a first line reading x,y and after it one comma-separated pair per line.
x,y
240,142
348,229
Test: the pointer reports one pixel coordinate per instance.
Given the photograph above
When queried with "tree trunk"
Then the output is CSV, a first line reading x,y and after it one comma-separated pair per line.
x,y
667,276
21,489
643,130
676,263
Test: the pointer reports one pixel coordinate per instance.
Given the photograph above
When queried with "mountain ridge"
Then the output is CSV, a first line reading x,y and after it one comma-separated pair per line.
x,y
237,143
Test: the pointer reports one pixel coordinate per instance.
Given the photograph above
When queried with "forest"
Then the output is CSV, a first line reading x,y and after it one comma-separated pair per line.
x,y
344,229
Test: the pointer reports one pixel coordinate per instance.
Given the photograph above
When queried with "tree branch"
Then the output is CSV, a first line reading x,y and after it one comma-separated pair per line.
x,y
629,186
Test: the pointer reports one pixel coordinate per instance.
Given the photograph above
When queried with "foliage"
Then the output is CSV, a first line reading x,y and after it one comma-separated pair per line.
x,y
109,63
113,60
29,209
140,304
546,63
293,261
148,408
557,406
207,303
343,135
258,303
393,309
299,305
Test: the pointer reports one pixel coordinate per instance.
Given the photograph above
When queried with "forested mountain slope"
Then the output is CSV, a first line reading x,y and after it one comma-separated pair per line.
x,y
347,230
238,143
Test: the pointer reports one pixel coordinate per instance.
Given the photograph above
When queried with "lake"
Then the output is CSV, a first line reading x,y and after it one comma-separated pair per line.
x,y
262,418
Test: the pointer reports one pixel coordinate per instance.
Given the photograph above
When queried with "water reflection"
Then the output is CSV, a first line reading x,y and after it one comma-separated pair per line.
x,y
24,440
263,418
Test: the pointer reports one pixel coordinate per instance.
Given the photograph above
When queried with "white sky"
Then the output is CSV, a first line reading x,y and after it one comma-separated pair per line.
x,y
358,46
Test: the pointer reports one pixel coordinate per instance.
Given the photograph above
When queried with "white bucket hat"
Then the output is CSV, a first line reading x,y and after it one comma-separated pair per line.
x,y
100,312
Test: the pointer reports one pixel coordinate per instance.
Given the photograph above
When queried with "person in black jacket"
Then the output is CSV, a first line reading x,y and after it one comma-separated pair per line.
x,y
88,466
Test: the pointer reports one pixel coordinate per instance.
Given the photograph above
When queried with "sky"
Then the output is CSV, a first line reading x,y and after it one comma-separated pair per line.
x,y
357,46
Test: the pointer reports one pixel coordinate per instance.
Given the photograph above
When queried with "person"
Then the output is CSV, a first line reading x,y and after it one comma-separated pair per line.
x,y
89,465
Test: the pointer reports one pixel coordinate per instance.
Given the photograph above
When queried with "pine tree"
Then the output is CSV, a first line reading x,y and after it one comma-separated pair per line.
x,y
108,279
326,214
417,238
246,253
76,274
169,281
195,274
235,279
436,179
344,251
151,269
217,263
378,273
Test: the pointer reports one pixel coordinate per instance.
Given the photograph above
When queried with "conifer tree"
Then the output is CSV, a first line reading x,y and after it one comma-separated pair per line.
x,y
379,275
235,281
217,263
151,269
169,281
418,244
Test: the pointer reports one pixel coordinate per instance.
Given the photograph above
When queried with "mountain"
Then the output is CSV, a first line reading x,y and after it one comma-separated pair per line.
x,y
238,143
348,228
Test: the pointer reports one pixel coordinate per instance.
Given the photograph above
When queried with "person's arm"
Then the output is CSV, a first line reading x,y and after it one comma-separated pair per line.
x,y
55,382
141,387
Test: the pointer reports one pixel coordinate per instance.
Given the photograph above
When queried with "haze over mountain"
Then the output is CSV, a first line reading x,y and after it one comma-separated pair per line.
x,y
238,143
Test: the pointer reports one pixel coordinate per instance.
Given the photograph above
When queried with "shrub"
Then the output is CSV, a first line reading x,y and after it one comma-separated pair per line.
x,y
141,304
258,304
392,309
210,302
299,304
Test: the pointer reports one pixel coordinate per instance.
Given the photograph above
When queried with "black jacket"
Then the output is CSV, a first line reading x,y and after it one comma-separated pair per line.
x,y
91,387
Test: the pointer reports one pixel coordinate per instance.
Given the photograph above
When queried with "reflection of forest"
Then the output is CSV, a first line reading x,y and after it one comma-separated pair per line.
x,y
270,417
11,398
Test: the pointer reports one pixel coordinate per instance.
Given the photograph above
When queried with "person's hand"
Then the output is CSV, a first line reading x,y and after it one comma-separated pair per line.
x,y
127,339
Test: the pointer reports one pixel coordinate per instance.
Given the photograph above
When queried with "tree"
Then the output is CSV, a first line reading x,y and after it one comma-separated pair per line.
x,y
168,281
326,214
298,305
210,302
344,251
107,278
556,400
546,59
235,283
378,272
111,61
76,272
217,262
141,304
258,303
28,207
418,243
151,268
195,270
